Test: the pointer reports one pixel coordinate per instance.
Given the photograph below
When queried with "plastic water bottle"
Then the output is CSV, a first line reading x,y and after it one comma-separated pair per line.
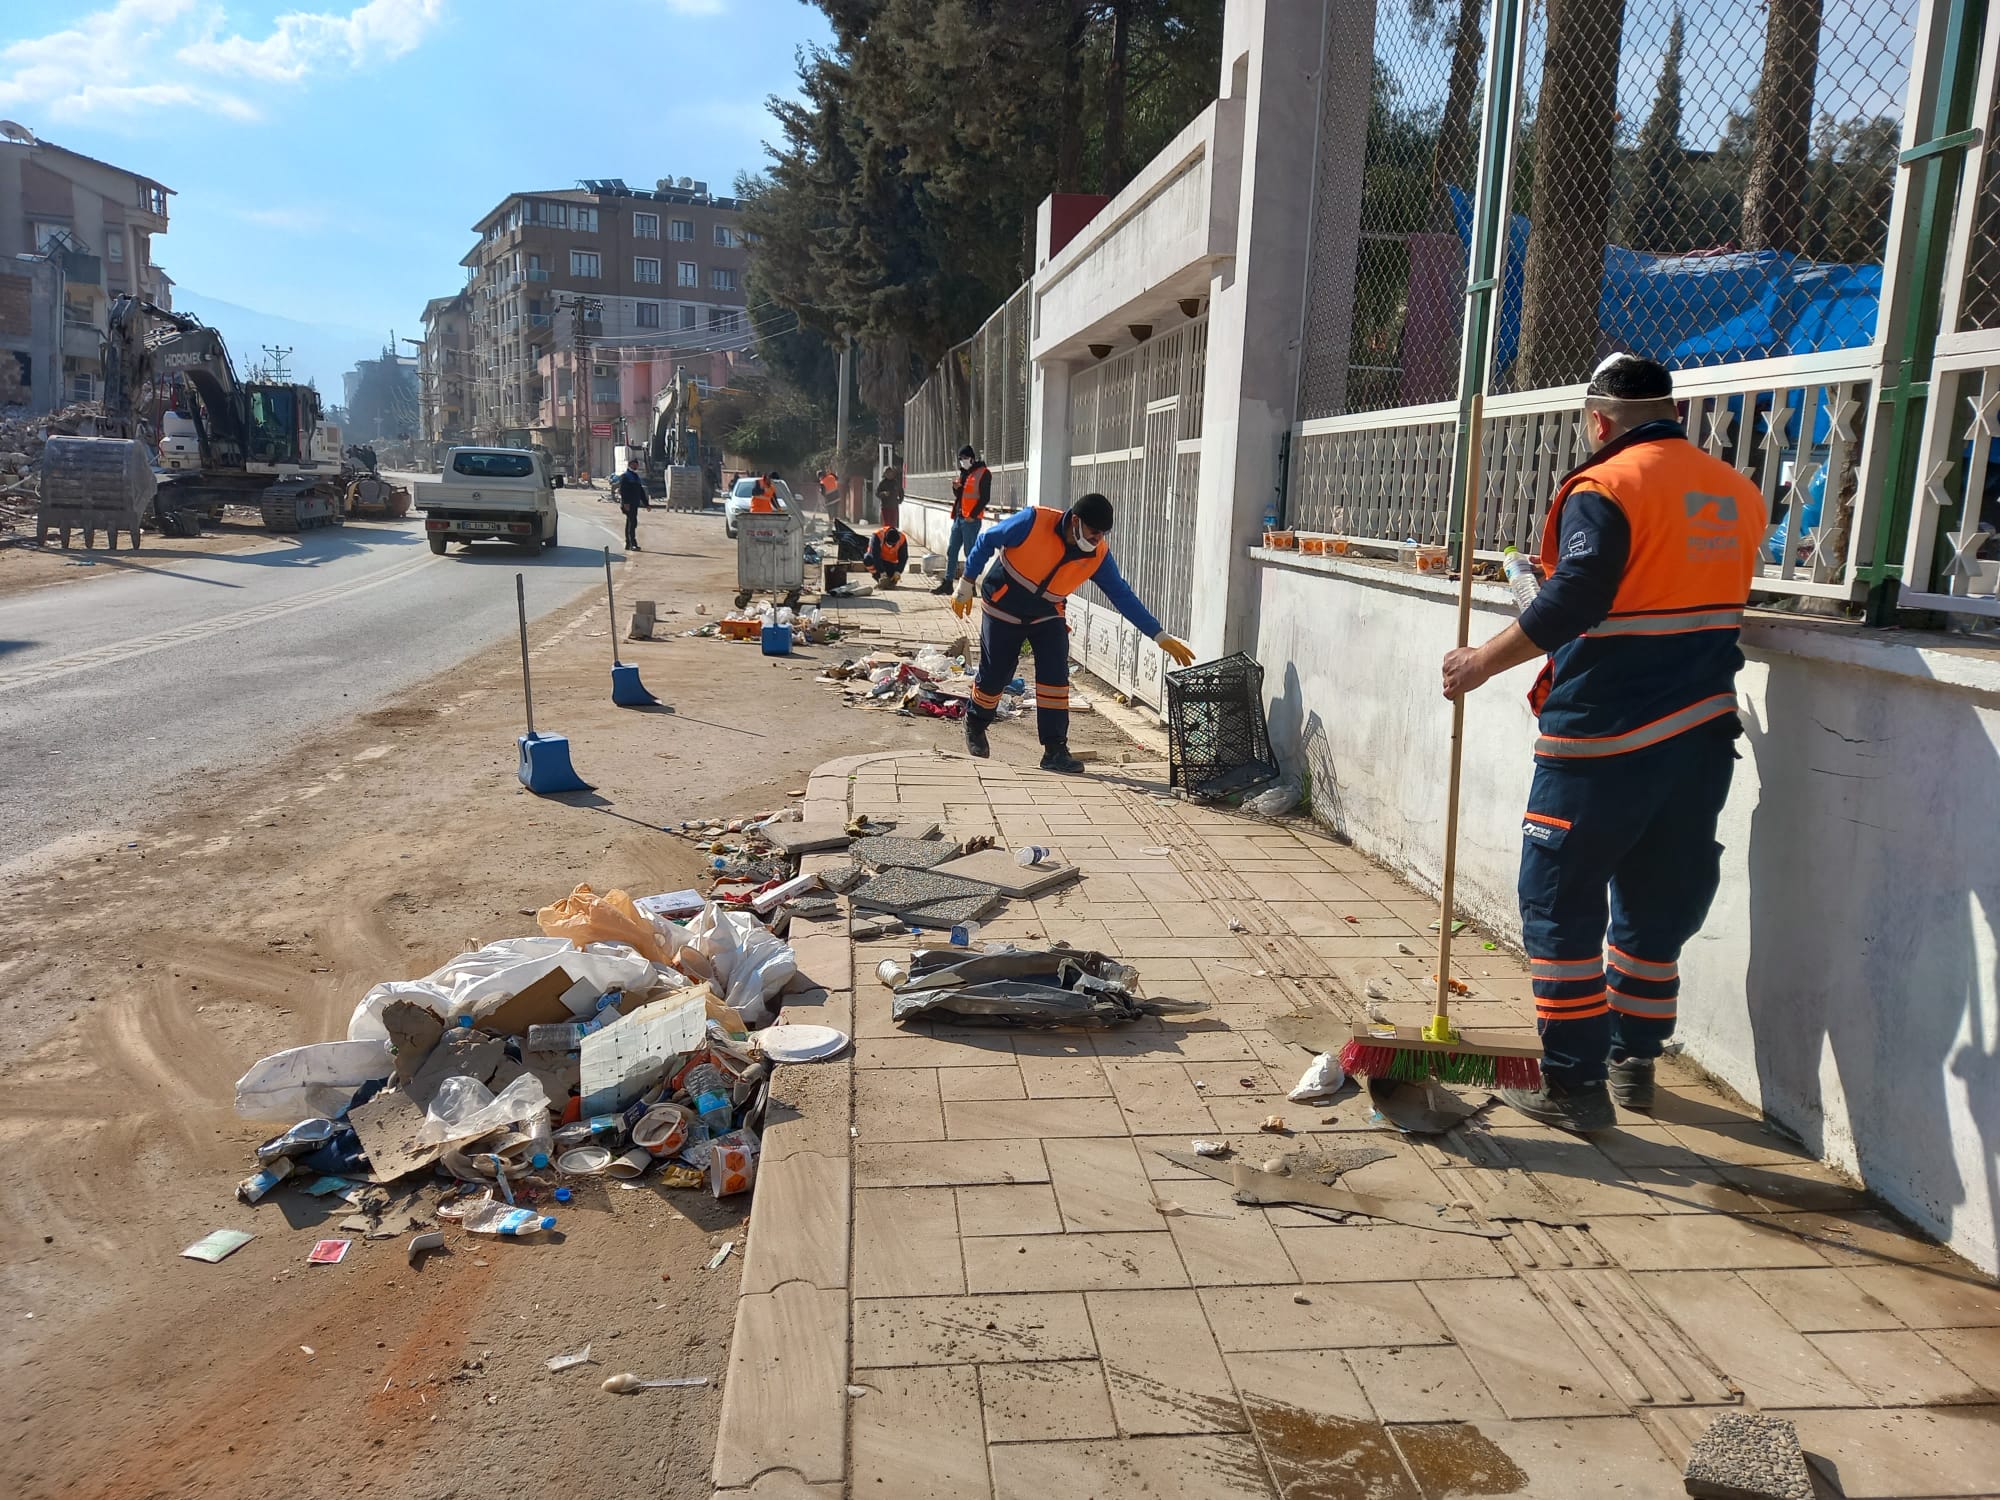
x,y
512,1222
708,1086
1031,855
1520,577
557,1036
965,934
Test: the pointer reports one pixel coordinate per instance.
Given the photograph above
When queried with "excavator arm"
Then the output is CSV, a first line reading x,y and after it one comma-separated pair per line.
x,y
144,342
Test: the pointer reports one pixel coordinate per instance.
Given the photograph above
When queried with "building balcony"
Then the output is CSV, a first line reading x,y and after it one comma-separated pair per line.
x,y
536,273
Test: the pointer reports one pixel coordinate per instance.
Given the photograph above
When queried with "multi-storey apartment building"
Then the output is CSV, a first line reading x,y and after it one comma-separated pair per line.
x,y
444,362
596,266
75,233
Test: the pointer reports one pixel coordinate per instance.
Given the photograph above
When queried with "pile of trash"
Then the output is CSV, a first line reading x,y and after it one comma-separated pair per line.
x,y
619,1043
22,438
747,624
920,681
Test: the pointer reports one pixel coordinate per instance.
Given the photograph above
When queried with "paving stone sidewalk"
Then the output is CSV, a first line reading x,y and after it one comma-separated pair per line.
x,y
970,1275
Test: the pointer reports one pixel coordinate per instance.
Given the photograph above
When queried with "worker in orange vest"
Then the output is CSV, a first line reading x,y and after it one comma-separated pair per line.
x,y
971,493
764,495
888,555
1044,557
1648,551
829,490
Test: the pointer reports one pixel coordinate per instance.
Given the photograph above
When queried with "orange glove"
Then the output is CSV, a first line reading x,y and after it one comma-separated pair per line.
x,y
1177,649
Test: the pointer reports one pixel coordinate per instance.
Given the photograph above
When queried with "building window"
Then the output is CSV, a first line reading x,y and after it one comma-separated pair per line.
x,y
114,246
585,263
47,234
586,220
726,237
680,229
722,280
687,317
649,315
645,269
714,319
689,274
549,215
593,312
82,388
645,226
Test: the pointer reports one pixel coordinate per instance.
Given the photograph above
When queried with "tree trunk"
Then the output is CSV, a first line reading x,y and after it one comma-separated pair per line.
x,y
1774,203
1114,97
1451,157
1575,129
1069,130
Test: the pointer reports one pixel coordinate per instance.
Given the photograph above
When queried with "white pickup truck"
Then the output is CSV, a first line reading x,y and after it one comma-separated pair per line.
x,y
490,494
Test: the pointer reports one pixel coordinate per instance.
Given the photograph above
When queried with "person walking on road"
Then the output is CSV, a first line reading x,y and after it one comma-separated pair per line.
x,y
1044,557
632,498
1648,551
971,492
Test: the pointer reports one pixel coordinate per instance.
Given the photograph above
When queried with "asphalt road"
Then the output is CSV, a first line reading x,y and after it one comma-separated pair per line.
x,y
116,690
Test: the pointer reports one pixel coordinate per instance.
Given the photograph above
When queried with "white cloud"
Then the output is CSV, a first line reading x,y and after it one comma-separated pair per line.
x,y
697,7
138,58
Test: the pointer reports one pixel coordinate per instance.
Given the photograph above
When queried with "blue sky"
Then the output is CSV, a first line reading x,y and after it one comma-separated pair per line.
x,y
328,162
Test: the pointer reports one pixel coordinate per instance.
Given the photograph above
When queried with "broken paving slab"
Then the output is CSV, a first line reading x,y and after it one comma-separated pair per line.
x,y
888,852
926,898
1748,1456
1007,875
807,838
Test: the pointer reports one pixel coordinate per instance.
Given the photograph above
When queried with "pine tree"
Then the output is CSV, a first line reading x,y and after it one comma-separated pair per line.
x,y
1657,218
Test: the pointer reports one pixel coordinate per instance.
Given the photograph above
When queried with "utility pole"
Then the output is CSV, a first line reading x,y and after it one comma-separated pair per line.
x,y
840,406
278,357
579,385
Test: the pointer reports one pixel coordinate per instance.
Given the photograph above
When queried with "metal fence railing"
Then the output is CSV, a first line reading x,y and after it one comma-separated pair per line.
x,y
1711,183
978,394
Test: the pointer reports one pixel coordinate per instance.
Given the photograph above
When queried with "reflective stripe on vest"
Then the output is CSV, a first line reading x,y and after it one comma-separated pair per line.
x,y
967,496
1670,622
1677,722
1042,562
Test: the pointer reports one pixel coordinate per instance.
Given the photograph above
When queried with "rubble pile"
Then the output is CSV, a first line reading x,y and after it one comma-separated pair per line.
x,y
22,438
920,680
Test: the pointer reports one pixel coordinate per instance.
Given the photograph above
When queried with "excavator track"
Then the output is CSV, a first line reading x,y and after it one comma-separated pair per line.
x,y
299,505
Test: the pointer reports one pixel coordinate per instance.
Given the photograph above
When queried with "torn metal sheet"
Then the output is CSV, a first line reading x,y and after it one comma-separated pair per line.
x,y
1254,1186
1026,987
927,899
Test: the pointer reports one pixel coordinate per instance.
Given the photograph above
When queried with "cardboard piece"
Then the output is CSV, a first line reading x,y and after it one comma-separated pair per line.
x,y
999,869
645,615
391,1127
1427,1108
675,906
413,1031
629,1056
540,1004
218,1244
472,1053
807,838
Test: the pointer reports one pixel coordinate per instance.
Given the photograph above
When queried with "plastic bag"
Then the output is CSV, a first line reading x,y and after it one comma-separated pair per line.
x,y
745,963
585,917
1322,1079
314,1080
464,1108
496,971
1276,801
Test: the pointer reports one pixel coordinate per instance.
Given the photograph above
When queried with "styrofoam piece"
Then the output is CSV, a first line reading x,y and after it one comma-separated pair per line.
x,y
802,1043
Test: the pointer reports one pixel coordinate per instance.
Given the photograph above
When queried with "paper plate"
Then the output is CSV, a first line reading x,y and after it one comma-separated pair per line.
x,y
799,1044
584,1160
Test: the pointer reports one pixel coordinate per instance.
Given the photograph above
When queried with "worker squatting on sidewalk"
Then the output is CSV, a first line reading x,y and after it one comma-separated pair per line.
x,y
1044,557
1648,552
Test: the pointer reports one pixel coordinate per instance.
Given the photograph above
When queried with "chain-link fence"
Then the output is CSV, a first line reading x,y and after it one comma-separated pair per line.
x,y
978,394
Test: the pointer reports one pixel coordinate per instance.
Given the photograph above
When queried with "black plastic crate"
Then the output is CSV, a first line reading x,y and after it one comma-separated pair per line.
x,y
1218,743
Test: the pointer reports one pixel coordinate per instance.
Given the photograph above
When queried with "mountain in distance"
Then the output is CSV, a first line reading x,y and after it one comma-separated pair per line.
x,y
321,352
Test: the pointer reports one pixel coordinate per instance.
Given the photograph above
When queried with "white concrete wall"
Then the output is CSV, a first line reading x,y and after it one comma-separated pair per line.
x,y
1847,979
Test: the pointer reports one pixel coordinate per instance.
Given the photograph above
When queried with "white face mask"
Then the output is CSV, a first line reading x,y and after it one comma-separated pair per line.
x,y
965,466
1078,540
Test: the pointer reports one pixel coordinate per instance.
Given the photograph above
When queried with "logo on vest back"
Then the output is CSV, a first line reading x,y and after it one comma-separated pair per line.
x,y
1711,534
1697,502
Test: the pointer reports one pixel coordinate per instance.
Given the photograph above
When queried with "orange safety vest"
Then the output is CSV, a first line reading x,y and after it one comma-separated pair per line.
x,y
761,497
1664,660
891,552
1043,566
828,484
966,505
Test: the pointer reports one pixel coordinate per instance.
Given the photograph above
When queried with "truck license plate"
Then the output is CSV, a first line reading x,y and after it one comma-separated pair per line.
x,y
479,525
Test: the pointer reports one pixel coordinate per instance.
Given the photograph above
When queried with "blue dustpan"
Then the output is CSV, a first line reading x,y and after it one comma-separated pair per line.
x,y
627,691
544,767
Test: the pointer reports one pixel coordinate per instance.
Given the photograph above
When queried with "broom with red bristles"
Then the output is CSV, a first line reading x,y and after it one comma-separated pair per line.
x,y
1415,1054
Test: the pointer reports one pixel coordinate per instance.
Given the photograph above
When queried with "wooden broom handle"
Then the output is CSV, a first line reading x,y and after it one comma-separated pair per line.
x,y
1467,539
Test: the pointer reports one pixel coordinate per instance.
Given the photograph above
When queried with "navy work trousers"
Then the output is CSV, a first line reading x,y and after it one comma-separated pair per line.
x,y
1618,866
1000,644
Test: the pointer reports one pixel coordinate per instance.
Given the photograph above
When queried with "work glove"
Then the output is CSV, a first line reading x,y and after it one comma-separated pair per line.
x,y
1177,649
961,599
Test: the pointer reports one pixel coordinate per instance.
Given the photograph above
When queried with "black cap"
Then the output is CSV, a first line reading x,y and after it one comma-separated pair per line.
x,y
966,452
1628,377
1094,511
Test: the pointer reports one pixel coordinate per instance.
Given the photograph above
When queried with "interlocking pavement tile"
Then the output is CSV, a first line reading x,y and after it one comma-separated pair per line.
x,y
1675,1242
1865,1237
1931,1296
980,1083
1316,1429
1031,1119
1739,1143
898,1104
1046,1401
879,1164
1899,1369
1315,1381
1822,1301
1160,1360
918,1432
1633,1145
1578,1457
1242,1110
906,1243
1223,1243
1079,1077
1974,1350
1797,1187
1199,1040
1422,1385
1944,1451
803,1234
1389,1252
1156,1098
1072,1262
1209,1467
918,1051
1008,1208
1749,1342
785,1403
1527,1361
971,1330
1101,1185
1381,1314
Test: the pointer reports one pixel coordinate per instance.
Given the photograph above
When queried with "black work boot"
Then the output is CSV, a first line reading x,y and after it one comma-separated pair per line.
x,y
1631,1083
1578,1111
944,587
975,739
1058,759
